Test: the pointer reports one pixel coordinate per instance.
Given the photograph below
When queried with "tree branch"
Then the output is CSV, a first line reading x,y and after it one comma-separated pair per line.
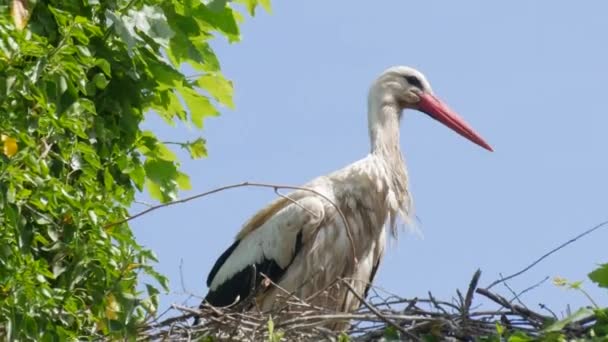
x,y
587,232
276,187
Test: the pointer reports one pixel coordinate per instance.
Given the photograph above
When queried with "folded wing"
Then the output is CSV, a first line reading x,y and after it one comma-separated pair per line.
x,y
267,244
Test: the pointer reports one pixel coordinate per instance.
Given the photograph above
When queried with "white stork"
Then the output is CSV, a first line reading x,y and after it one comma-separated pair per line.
x,y
302,244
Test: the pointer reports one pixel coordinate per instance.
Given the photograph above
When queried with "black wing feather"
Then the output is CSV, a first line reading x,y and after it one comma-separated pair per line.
x,y
371,278
242,282
220,261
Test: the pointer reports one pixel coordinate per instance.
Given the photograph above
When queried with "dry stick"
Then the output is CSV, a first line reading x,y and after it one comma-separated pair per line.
x,y
244,184
587,232
515,296
411,305
544,307
534,318
472,286
289,295
379,314
468,300
436,304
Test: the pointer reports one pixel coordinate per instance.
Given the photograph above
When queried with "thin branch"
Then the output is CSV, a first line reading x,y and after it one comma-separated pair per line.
x,y
296,203
544,307
181,144
181,275
515,296
144,203
587,232
529,289
248,184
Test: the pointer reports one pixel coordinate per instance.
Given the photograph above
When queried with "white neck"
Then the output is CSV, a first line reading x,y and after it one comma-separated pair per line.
x,y
383,120
383,117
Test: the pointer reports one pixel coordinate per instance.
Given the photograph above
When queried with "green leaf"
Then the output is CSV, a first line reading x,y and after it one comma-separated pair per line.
x,y
163,176
250,4
154,149
197,148
155,191
183,181
138,176
123,29
600,276
270,326
93,216
217,5
151,21
391,333
104,65
89,155
343,337
266,5
166,76
218,87
520,337
167,105
500,330
199,106
100,81
222,20
160,170
578,315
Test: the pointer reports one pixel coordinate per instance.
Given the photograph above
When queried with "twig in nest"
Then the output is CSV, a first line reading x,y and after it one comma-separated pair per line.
x,y
515,296
534,318
411,305
379,314
436,304
468,300
472,286
544,307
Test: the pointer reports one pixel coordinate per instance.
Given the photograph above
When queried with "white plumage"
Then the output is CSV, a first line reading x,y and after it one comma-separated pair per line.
x,y
301,243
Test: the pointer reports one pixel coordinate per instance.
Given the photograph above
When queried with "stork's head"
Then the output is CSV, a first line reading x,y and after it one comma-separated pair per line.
x,y
406,88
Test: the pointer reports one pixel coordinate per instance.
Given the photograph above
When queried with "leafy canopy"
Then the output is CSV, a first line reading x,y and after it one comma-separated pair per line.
x,y
76,80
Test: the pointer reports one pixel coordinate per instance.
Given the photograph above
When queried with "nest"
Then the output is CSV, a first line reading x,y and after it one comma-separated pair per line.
x,y
380,317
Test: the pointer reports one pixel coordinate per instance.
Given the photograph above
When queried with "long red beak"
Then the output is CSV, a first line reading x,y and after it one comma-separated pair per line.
x,y
439,111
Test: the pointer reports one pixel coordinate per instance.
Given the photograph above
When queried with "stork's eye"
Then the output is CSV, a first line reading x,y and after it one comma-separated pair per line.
x,y
413,80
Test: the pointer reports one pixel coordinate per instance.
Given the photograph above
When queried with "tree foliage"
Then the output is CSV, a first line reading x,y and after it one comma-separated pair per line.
x,y
76,80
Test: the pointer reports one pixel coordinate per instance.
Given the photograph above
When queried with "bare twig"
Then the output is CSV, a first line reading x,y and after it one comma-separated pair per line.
x,y
544,256
515,296
544,307
248,184
379,314
181,275
529,289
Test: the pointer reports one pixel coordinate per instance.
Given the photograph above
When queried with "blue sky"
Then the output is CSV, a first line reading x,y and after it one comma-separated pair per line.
x,y
530,76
